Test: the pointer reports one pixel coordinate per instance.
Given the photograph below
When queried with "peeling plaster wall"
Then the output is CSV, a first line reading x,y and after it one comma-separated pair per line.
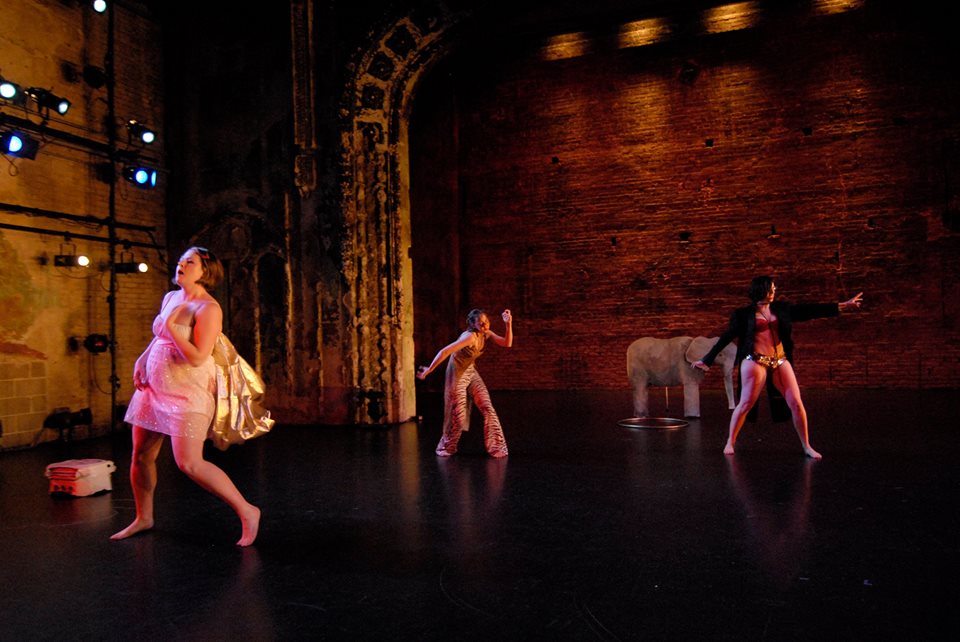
x,y
46,311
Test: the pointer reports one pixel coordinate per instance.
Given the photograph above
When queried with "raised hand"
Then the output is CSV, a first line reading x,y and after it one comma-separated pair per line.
x,y
853,303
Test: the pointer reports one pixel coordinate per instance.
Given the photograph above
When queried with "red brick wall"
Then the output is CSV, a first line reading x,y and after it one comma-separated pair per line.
x,y
576,178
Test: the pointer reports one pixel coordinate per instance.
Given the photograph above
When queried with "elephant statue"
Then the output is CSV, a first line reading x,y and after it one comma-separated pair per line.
x,y
666,362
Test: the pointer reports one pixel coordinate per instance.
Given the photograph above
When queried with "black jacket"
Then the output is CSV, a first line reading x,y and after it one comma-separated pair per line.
x,y
743,324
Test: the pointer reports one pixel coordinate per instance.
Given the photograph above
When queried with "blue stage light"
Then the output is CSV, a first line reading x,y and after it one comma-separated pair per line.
x,y
14,143
141,176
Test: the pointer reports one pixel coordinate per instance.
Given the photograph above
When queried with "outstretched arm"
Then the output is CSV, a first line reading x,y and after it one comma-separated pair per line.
x,y
505,341
807,311
851,304
465,339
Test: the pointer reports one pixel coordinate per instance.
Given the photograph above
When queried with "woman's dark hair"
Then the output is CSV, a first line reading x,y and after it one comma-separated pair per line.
x,y
759,288
212,267
473,317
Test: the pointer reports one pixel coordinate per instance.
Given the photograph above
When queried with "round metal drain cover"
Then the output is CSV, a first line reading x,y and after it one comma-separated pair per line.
x,y
653,423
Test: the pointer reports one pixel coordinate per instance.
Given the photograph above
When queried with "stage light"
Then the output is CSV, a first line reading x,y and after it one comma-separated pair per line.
x,y
68,256
97,343
12,92
131,267
47,100
99,5
14,143
71,260
141,176
62,420
140,132
127,265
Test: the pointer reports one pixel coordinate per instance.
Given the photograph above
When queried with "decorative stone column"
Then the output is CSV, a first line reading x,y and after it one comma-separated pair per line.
x,y
377,272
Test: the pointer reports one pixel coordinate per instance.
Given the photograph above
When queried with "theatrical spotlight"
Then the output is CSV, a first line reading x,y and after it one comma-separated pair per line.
x,y
131,267
46,100
141,176
97,343
140,132
99,5
12,92
63,421
126,265
68,256
14,143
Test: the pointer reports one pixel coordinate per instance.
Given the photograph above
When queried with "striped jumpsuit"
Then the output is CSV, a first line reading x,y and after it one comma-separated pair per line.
x,y
461,386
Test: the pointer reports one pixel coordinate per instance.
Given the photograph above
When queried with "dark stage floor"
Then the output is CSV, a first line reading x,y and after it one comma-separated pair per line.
x,y
588,531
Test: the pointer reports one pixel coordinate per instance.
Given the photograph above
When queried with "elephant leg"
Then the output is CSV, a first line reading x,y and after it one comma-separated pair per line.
x,y
640,396
728,387
691,399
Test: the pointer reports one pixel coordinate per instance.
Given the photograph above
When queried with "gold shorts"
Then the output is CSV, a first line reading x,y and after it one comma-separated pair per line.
x,y
767,361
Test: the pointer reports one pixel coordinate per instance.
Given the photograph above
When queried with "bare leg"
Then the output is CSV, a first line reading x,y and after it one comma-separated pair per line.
x,y
752,379
189,456
786,382
143,479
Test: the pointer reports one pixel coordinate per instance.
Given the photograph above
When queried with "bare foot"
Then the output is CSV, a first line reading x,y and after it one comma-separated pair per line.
x,y
728,449
251,525
137,526
811,453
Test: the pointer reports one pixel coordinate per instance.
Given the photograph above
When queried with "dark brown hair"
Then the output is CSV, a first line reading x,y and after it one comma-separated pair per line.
x,y
759,288
473,317
212,267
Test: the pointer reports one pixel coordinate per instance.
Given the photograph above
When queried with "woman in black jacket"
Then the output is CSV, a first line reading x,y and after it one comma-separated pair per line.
x,y
763,332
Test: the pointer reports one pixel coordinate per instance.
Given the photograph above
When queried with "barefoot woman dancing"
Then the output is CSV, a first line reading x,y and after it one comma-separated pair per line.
x,y
765,350
175,386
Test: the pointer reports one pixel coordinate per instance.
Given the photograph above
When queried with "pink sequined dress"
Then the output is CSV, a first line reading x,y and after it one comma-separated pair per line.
x,y
179,399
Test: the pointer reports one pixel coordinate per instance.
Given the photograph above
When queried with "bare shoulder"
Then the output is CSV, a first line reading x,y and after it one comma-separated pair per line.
x,y
209,307
210,304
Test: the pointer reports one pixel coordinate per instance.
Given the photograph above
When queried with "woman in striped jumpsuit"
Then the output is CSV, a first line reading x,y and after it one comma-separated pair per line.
x,y
463,383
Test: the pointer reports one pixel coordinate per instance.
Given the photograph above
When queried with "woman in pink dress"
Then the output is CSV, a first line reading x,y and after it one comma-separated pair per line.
x,y
175,381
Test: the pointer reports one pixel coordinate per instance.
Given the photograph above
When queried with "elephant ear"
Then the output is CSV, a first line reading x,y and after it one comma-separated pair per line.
x,y
698,348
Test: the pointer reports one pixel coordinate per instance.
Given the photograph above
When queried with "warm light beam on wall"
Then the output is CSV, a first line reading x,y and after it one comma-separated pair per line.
x,y
567,45
731,17
827,7
643,32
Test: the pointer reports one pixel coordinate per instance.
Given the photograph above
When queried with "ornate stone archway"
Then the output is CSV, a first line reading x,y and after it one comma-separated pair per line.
x,y
377,271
